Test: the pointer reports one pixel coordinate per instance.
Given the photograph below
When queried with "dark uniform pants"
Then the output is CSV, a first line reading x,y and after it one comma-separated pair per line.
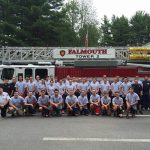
x,y
146,100
3,110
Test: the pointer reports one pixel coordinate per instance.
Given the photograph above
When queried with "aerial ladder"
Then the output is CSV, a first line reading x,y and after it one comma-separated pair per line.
x,y
26,55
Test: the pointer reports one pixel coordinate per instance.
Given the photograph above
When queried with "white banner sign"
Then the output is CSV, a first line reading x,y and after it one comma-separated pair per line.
x,y
80,53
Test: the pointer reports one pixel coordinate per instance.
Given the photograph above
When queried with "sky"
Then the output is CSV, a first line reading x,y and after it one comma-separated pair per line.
x,y
120,7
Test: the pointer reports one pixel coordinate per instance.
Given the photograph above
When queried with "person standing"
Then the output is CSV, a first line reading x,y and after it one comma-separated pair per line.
x,y
42,86
62,92
139,91
124,89
70,87
37,86
13,86
83,86
104,86
6,86
139,81
115,86
50,88
20,86
94,85
104,79
47,81
31,86
146,93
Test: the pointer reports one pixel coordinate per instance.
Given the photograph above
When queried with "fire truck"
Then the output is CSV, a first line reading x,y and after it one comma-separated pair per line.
x,y
76,62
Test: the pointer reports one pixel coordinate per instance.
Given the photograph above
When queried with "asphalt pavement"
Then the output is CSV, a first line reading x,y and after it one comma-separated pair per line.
x,y
75,133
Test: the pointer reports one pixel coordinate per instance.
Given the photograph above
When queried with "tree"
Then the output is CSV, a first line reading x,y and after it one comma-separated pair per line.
x,y
107,39
120,31
87,13
72,13
67,35
69,25
81,16
140,28
94,35
30,22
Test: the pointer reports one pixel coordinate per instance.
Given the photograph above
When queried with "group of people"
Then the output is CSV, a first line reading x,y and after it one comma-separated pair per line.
x,y
74,96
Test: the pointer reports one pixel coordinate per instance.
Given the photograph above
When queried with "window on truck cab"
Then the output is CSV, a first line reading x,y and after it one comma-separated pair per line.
x,y
28,72
41,72
7,73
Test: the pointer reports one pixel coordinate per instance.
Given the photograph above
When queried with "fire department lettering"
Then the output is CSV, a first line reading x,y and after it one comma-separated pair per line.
x,y
81,53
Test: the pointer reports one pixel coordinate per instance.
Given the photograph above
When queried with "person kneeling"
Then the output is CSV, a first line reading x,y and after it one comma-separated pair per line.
x,y
117,105
95,103
4,102
44,104
83,101
56,103
72,101
16,105
105,102
131,100
30,104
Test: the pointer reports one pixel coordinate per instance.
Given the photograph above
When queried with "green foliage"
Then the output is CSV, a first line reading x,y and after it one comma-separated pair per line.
x,y
80,15
140,28
54,23
93,35
106,32
121,31
29,22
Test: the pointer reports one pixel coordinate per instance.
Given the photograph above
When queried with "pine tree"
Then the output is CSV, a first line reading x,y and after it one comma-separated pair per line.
x,y
30,22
